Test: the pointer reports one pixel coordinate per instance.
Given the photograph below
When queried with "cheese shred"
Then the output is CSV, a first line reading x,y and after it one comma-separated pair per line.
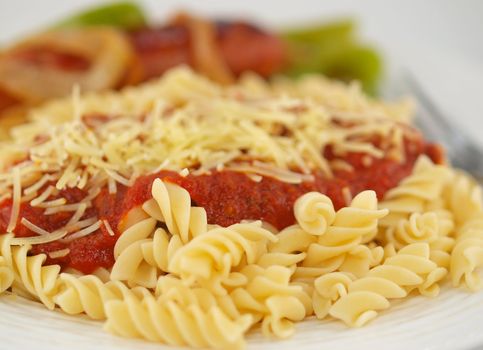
x,y
192,126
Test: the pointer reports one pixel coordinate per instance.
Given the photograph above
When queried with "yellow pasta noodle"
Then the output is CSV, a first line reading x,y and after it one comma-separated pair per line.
x,y
269,296
467,255
415,192
341,243
30,276
89,294
173,206
201,271
360,299
6,275
209,258
180,316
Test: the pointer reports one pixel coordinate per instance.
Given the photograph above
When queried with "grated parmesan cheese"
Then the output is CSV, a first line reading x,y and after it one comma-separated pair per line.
x,y
17,193
32,227
59,253
188,124
47,238
108,228
347,194
84,232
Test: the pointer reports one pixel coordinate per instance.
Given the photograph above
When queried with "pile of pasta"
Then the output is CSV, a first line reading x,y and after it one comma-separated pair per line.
x,y
181,281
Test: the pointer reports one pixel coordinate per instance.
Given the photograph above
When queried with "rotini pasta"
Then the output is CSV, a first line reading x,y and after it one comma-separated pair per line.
x,y
180,316
340,244
356,301
464,197
30,276
255,244
171,204
314,213
416,192
467,255
130,264
89,294
209,258
269,296
6,275
145,256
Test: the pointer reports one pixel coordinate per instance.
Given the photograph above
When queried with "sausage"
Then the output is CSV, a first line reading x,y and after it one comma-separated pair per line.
x,y
243,46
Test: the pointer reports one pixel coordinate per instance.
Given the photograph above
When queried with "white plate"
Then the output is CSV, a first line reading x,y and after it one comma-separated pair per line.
x,y
453,320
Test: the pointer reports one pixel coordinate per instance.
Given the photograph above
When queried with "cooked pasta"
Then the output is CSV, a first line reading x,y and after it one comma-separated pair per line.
x,y
89,294
6,275
269,296
314,212
467,255
209,258
173,207
179,316
416,192
30,276
341,243
464,197
359,300
189,213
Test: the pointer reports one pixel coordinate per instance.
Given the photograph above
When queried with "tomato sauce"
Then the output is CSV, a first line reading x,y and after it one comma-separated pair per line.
x,y
227,196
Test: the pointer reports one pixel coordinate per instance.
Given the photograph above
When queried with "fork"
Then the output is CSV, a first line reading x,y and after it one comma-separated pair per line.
x,y
461,150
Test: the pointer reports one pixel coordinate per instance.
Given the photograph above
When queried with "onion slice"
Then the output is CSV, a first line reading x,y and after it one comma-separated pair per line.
x,y
208,59
108,51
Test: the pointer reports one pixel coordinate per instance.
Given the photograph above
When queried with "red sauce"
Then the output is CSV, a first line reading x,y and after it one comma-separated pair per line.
x,y
227,196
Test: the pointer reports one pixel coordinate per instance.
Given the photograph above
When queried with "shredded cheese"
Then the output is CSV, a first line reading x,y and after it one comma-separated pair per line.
x,y
59,253
17,193
40,199
84,232
347,194
108,228
32,227
47,238
190,125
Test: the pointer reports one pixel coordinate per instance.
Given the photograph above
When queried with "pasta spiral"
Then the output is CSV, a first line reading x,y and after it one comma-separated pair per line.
x,y
467,255
30,276
289,249
209,258
328,289
342,240
6,275
360,299
432,227
130,265
171,204
418,228
179,316
314,212
464,197
415,192
89,294
142,255
269,296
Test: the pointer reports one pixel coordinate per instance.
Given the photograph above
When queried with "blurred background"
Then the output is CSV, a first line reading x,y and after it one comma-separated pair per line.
x,y
439,41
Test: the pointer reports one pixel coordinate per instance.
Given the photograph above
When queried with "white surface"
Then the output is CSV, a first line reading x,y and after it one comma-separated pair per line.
x,y
452,321
440,41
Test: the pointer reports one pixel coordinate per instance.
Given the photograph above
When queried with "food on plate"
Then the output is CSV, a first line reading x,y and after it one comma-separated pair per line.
x,y
114,46
188,212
